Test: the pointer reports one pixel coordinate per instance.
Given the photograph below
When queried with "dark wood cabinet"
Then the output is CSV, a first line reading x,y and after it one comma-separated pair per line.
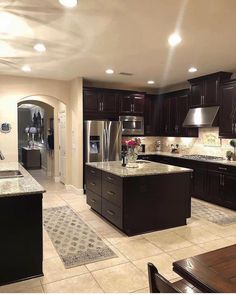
x,y
109,102
213,187
100,103
211,182
91,101
132,104
31,158
228,190
227,126
174,109
196,93
199,183
204,91
134,205
126,104
21,238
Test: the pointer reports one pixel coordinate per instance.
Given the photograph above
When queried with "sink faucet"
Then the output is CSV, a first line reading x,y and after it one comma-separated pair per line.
x,y
1,156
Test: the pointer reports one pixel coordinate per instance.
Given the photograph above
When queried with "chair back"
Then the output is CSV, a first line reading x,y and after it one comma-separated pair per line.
x,y
157,283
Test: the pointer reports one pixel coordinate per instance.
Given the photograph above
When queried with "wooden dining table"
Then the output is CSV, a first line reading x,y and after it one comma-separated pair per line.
x,y
214,271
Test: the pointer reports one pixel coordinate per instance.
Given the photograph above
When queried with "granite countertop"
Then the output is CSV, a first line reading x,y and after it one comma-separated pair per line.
x,y
145,168
179,155
20,185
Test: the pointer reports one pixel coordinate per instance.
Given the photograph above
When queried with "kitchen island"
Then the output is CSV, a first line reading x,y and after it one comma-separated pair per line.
x,y
21,250
151,197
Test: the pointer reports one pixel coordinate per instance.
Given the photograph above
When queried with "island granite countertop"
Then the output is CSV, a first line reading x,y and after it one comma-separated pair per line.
x,y
145,168
18,186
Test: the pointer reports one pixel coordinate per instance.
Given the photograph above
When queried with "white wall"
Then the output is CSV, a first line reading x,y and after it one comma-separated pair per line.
x,y
52,92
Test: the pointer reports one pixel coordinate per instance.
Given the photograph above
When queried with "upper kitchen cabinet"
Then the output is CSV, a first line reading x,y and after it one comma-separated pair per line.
x,y
152,114
174,108
227,126
132,104
100,103
204,90
91,100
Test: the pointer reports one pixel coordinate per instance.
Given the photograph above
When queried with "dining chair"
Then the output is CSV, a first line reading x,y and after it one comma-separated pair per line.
x,y
159,284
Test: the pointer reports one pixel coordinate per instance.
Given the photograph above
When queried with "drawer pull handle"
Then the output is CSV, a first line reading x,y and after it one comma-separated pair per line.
x,y
110,178
110,193
110,212
92,171
222,168
93,201
93,183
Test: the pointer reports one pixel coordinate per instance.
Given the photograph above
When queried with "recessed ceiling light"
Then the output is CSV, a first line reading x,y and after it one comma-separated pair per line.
x,y
151,82
109,71
68,3
40,47
174,39
26,68
192,70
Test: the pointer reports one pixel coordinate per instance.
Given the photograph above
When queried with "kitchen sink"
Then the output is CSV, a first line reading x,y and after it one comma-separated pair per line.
x,y
10,174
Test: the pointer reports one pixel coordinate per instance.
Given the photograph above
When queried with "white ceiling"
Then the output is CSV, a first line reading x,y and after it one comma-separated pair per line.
x,y
125,35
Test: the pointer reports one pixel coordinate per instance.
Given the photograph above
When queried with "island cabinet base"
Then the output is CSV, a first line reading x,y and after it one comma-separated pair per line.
x,y
140,204
21,248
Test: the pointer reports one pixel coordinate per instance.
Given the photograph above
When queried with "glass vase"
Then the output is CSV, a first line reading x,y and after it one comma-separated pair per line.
x,y
132,156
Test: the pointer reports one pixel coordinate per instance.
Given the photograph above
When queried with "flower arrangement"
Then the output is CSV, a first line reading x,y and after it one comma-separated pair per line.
x,y
132,147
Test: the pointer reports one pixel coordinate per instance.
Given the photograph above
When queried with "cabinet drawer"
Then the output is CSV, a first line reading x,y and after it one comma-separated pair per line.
x,y
112,193
94,180
111,178
112,213
94,201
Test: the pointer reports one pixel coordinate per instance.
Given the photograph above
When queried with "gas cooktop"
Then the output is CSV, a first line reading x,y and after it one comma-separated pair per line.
x,y
202,157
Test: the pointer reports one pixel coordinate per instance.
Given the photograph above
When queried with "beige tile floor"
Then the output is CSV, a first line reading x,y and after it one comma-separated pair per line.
x,y
128,271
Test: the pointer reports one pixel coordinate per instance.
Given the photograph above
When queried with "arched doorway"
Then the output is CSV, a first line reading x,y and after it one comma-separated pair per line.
x,y
50,109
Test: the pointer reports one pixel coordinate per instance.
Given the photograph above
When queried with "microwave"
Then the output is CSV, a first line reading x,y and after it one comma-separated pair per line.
x,y
132,125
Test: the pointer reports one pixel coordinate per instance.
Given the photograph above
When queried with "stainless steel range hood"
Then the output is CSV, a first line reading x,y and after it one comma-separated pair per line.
x,y
202,117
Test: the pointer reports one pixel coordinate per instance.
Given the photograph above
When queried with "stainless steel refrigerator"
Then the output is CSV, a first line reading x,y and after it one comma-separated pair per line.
x,y
102,141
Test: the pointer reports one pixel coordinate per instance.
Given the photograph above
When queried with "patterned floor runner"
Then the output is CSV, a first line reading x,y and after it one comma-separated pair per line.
x,y
203,211
75,242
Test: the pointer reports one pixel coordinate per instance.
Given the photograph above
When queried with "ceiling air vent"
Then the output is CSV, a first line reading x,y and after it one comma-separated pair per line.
x,y
126,74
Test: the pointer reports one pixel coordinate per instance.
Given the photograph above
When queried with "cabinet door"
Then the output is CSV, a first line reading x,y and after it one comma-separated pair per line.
x,y
183,107
213,187
173,116
196,94
126,104
138,104
149,114
165,120
210,96
110,103
228,190
91,99
199,183
227,110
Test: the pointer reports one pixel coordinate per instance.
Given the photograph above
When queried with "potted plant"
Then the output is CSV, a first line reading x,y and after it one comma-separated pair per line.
x,y
229,155
233,144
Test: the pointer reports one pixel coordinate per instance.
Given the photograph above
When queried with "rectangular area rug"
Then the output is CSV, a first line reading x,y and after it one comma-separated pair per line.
x,y
215,215
75,242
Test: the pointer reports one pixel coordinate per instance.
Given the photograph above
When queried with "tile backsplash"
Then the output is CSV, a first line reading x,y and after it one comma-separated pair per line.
x,y
208,143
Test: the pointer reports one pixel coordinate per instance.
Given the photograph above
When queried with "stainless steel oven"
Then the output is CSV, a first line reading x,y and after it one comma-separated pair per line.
x,y
132,125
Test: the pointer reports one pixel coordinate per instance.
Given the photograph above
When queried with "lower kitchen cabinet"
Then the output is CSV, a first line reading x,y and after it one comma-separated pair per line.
x,y
199,184
139,204
213,187
211,182
228,190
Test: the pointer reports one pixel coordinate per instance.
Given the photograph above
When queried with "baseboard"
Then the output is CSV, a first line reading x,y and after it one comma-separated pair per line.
x,y
57,178
74,189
